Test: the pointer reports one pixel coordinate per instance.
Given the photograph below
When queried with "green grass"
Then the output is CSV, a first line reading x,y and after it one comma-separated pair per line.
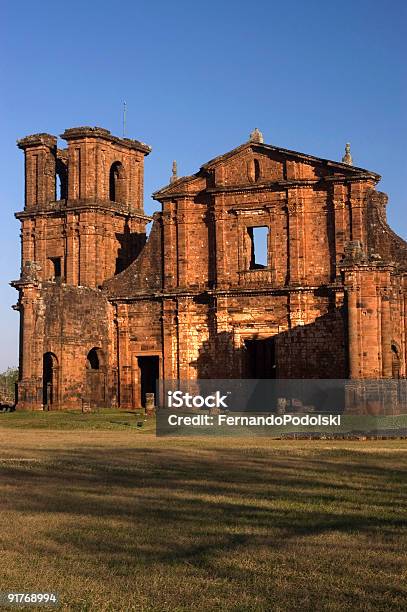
x,y
110,419
115,520
106,419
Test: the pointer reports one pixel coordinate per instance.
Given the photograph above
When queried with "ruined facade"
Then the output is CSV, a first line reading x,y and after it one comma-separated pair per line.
x,y
104,313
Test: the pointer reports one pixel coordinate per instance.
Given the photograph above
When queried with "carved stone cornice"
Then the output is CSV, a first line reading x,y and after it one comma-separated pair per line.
x,y
269,186
63,207
79,133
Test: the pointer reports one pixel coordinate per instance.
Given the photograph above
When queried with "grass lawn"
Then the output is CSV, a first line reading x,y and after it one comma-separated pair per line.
x,y
112,518
75,419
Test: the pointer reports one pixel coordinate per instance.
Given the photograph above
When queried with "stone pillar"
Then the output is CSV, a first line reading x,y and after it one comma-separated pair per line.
x,y
182,241
31,343
136,382
72,250
222,274
183,320
340,226
40,159
87,263
40,247
353,333
170,340
74,180
109,260
124,358
169,242
27,241
272,245
296,237
99,250
386,332
224,341
357,192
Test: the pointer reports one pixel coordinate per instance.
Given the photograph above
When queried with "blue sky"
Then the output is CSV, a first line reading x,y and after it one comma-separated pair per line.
x,y
197,78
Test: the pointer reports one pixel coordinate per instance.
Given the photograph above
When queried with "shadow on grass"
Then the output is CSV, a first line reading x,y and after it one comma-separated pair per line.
x,y
192,524
168,504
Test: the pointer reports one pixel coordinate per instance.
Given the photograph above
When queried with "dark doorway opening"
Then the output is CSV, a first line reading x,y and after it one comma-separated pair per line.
x,y
149,374
93,361
56,267
49,379
261,358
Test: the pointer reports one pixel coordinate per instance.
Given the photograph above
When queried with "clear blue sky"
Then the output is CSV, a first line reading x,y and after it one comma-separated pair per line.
x,y
197,78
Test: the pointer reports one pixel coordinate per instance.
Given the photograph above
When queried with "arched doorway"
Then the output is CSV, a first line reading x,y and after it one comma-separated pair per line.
x,y
49,380
93,359
95,378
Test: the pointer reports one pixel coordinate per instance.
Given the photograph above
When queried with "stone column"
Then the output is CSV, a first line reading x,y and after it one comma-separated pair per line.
x,y
39,152
386,331
124,358
353,333
170,341
40,247
220,222
340,226
182,241
72,249
296,242
183,338
169,242
356,197
30,383
27,241
224,346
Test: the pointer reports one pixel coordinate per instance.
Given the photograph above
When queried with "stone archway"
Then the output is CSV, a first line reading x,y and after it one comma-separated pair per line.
x,y
49,380
117,183
95,380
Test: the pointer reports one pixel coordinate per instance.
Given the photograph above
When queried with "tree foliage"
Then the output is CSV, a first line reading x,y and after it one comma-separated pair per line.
x,y
8,380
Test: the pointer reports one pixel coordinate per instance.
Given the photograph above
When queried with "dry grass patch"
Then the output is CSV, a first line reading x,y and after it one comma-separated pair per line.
x,y
121,521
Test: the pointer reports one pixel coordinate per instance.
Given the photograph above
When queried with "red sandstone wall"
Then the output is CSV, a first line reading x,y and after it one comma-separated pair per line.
x,y
190,297
68,322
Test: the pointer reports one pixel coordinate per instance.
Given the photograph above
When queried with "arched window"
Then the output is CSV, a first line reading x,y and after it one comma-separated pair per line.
x,y
117,183
61,181
94,359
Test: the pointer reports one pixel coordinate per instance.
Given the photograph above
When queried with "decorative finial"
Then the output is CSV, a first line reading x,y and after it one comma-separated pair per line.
x,y
256,136
174,176
347,158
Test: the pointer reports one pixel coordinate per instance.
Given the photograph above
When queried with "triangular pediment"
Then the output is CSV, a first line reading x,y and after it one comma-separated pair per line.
x,y
259,162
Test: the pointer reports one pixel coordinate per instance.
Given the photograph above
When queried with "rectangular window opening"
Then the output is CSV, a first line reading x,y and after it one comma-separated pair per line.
x,y
56,267
259,247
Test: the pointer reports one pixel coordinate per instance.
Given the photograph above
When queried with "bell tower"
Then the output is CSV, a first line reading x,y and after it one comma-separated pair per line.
x,y
83,219
83,222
